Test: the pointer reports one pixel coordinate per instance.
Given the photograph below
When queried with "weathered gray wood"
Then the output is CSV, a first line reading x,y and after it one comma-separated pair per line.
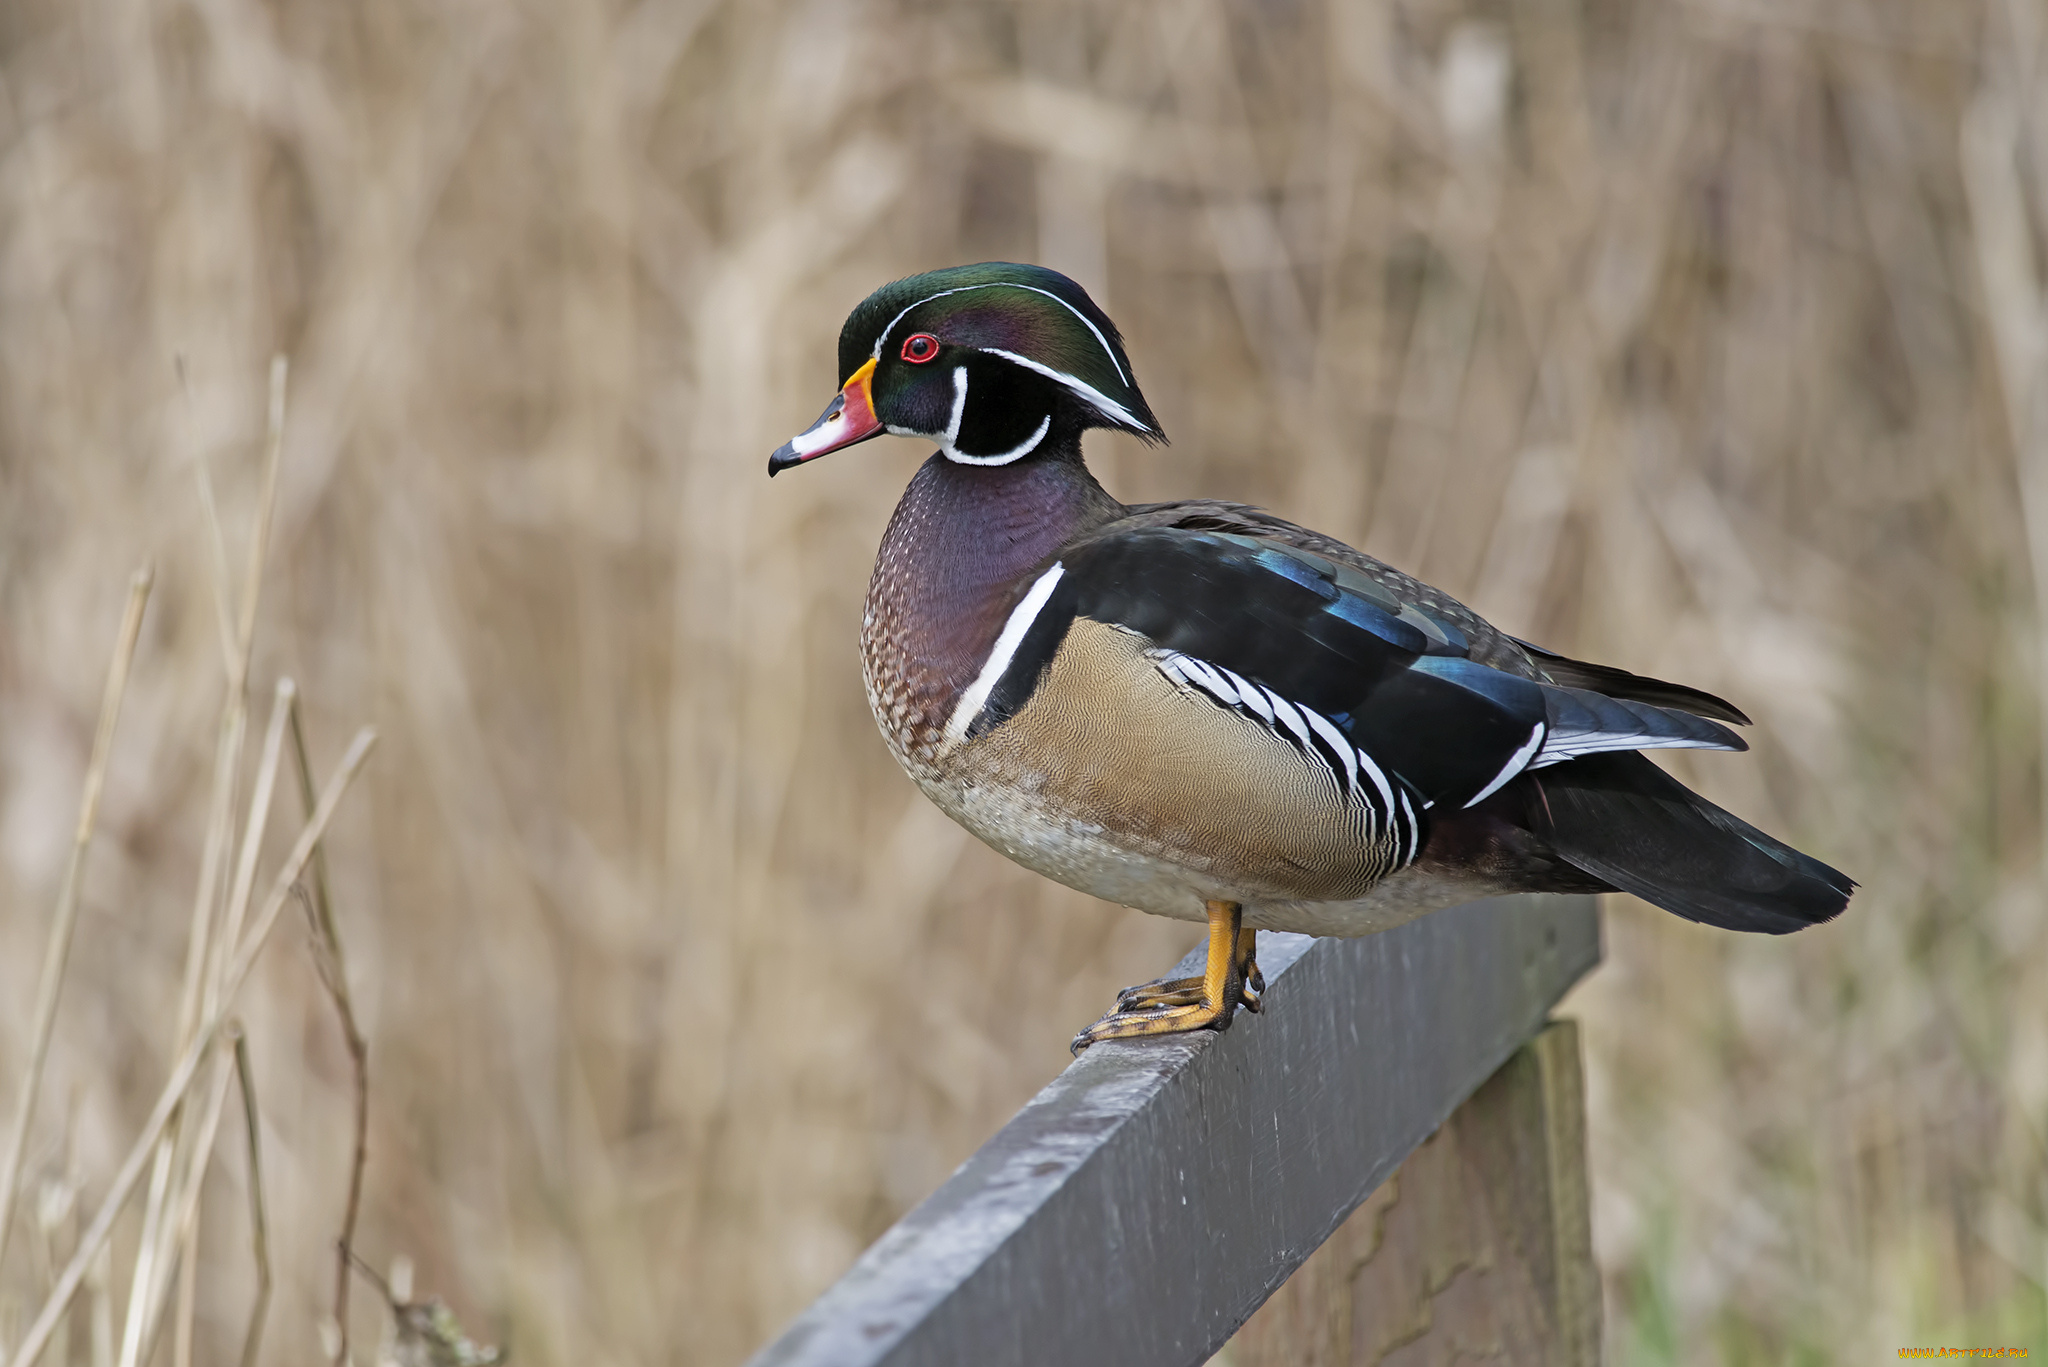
x,y
1144,1204
1477,1250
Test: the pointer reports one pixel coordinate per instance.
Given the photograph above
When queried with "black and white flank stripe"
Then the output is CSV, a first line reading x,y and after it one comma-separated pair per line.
x,y
1387,813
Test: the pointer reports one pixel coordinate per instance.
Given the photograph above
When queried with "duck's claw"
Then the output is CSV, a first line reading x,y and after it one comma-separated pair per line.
x,y
1173,1006
1170,1020
1254,981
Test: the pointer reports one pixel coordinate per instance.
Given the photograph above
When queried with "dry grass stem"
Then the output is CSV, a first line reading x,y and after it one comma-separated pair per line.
x,y
207,942
153,1257
151,1252
99,1282
185,1157
259,1218
183,1233
266,510
188,1301
283,712
216,537
57,951
196,1052
333,968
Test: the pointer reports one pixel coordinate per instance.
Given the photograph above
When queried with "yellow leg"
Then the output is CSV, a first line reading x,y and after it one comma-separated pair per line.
x,y
1176,1006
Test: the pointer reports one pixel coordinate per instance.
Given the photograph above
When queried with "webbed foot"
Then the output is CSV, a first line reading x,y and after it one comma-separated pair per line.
x,y
1173,1006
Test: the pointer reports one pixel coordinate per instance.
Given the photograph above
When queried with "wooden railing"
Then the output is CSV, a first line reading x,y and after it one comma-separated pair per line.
x,y
1144,1205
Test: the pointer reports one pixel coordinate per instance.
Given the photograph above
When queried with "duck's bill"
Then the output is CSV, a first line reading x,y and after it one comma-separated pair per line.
x,y
849,418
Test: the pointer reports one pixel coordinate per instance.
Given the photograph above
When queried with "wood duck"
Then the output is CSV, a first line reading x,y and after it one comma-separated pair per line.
x,y
1206,712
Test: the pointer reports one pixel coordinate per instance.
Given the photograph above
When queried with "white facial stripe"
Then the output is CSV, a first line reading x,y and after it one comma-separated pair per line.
x,y
1414,827
1107,349
959,406
1018,452
1087,393
1516,763
999,657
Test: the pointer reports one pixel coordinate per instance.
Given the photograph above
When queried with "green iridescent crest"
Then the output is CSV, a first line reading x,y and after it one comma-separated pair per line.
x,y
1028,315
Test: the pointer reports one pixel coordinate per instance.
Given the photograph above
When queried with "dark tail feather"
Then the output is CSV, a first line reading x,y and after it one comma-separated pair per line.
x,y
1622,819
1619,683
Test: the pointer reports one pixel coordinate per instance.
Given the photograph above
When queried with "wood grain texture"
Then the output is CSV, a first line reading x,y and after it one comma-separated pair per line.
x,y
1479,1250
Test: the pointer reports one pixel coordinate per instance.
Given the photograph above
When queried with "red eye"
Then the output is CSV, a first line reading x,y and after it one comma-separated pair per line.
x,y
920,347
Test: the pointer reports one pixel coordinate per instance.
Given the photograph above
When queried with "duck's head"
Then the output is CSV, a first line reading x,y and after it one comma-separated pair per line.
x,y
995,363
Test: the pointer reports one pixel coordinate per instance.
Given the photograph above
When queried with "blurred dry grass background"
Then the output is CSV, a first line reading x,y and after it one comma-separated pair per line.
x,y
1705,337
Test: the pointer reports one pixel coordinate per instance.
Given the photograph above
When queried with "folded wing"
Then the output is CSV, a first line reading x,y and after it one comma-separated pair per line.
x,y
1379,681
